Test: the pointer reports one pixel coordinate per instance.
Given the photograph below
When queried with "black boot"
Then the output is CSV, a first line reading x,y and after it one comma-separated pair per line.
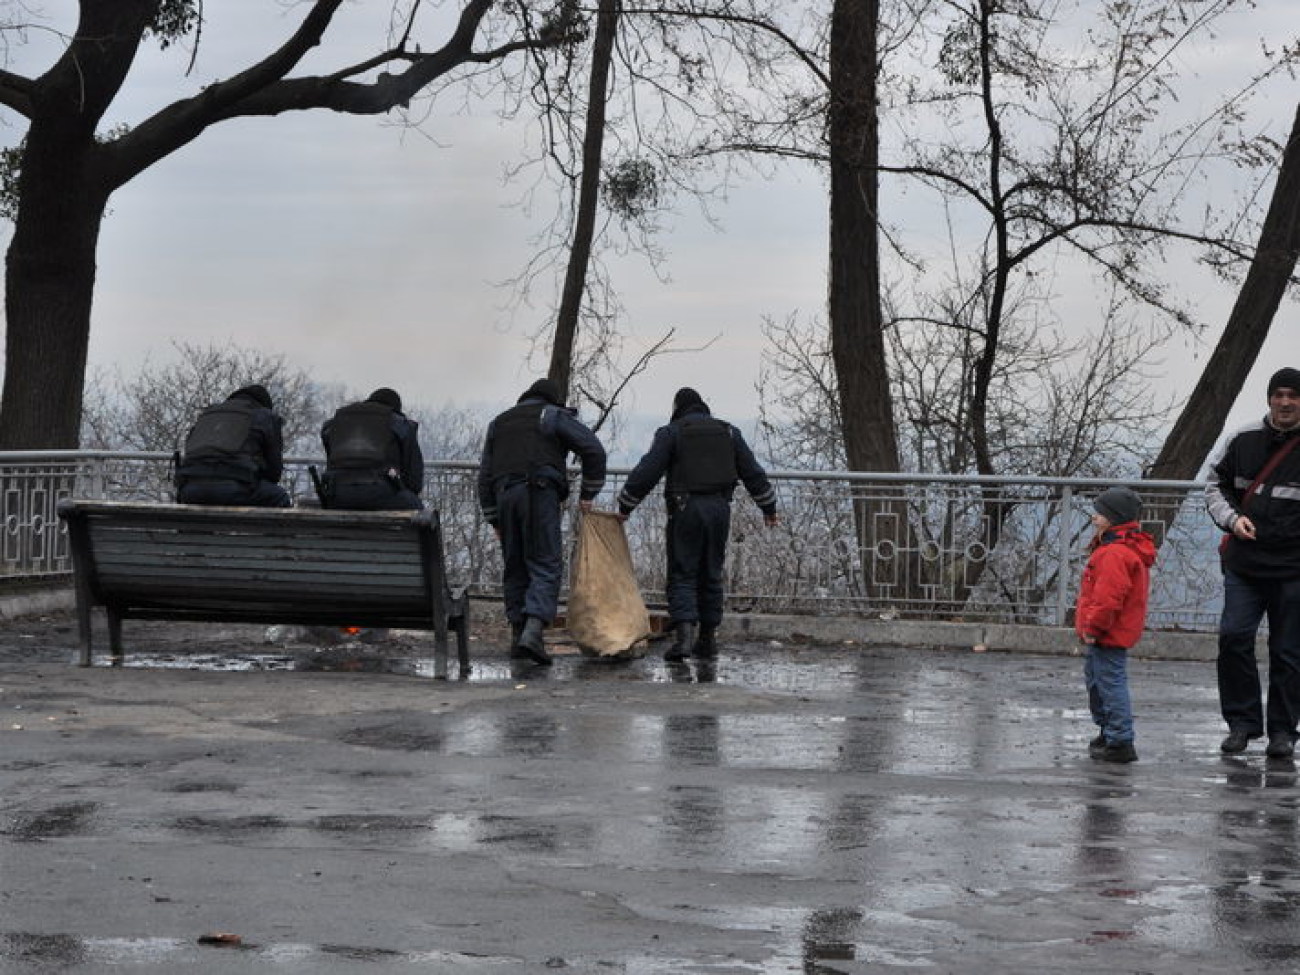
x,y
683,634
706,646
531,643
516,652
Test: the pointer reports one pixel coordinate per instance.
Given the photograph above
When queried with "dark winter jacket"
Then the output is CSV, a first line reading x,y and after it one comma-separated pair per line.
x,y
663,457
397,446
1274,507
1112,605
558,432
260,456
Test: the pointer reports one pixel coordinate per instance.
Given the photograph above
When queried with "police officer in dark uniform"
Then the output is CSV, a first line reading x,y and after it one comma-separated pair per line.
x,y
521,485
373,457
703,458
234,453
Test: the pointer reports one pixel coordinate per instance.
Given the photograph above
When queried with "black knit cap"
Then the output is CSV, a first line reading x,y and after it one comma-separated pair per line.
x,y
1287,377
256,392
388,397
547,389
1118,504
684,399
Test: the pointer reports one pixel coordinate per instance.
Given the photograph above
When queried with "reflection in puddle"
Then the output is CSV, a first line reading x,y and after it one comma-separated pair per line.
x,y
69,819
58,952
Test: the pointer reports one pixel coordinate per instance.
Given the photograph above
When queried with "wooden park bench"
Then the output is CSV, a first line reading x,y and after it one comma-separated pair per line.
x,y
263,565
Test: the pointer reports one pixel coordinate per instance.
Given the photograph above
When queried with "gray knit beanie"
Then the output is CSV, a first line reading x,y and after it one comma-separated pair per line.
x,y
1118,505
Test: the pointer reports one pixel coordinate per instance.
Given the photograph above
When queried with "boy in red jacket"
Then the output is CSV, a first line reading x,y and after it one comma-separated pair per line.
x,y
1109,617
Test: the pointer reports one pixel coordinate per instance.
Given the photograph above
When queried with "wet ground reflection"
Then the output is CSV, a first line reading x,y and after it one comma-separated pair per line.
x,y
783,809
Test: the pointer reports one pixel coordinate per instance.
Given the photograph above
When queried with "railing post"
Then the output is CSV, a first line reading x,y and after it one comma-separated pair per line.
x,y
1063,556
98,479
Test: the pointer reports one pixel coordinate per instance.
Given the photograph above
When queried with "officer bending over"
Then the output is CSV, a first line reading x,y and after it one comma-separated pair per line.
x,y
373,460
521,485
703,458
234,454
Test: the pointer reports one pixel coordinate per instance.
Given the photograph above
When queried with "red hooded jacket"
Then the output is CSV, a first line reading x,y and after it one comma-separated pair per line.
x,y
1112,606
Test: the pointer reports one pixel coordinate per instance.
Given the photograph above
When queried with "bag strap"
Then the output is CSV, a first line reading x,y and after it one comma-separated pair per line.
x,y
1269,467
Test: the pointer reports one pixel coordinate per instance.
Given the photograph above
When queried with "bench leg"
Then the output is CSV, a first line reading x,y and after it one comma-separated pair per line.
x,y
462,636
440,648
115,638
83,630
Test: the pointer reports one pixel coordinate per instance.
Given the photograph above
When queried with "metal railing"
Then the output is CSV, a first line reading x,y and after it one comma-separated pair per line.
x,y
885,545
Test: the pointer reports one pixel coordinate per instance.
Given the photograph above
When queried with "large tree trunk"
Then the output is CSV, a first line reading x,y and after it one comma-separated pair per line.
x,y
49,287
50,266
857,339
856,320
584,229
1202,419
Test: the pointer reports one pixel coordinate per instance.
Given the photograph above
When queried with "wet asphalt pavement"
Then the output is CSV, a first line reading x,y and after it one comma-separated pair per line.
x,y
795,809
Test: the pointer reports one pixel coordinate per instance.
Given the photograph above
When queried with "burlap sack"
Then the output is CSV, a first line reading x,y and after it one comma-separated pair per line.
x,y
606,615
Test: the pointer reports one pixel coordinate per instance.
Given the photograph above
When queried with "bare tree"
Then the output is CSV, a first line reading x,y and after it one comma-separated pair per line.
x,y
622,148
69,170
857,327
1271,272
1055,155
154,408
584,230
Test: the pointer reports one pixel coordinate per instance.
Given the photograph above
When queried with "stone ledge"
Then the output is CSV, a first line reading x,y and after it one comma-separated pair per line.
x,y
38,602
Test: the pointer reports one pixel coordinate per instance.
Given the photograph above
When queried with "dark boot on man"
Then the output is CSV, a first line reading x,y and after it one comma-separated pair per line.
x,y
1280,745
706,644
516,651
683,636
1237,740
1097,746
531,643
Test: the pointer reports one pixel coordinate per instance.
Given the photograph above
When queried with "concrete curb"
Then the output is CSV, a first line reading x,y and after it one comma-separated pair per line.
x,y
1155,645
37,603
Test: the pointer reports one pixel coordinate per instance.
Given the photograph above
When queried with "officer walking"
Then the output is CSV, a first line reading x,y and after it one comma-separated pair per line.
x,y
234,453
521,485
703,457
373,460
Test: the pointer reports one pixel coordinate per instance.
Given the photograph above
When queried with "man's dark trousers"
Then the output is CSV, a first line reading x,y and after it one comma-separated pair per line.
x,y
531,548
225,491
1246,601
698,527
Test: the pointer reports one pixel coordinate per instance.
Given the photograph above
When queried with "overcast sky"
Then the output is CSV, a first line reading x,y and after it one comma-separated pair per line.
x,y
372,256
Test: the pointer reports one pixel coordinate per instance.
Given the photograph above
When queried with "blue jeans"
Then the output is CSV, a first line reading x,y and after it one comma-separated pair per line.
x,y
1105,672
1246,601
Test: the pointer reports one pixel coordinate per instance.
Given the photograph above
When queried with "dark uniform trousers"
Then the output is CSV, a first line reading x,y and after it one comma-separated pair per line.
x,y
227,491
371,494
698,528
531,547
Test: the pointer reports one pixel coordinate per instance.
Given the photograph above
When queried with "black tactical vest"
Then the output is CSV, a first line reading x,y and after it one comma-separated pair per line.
x,y
220,441
518,446
705,459
361,438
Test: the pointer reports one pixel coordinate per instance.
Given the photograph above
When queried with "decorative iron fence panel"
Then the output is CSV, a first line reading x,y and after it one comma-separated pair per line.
x,y
886,545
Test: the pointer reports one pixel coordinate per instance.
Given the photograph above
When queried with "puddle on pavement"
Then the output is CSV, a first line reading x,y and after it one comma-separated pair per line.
x,y
60,952
69,819
228,824
778,669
